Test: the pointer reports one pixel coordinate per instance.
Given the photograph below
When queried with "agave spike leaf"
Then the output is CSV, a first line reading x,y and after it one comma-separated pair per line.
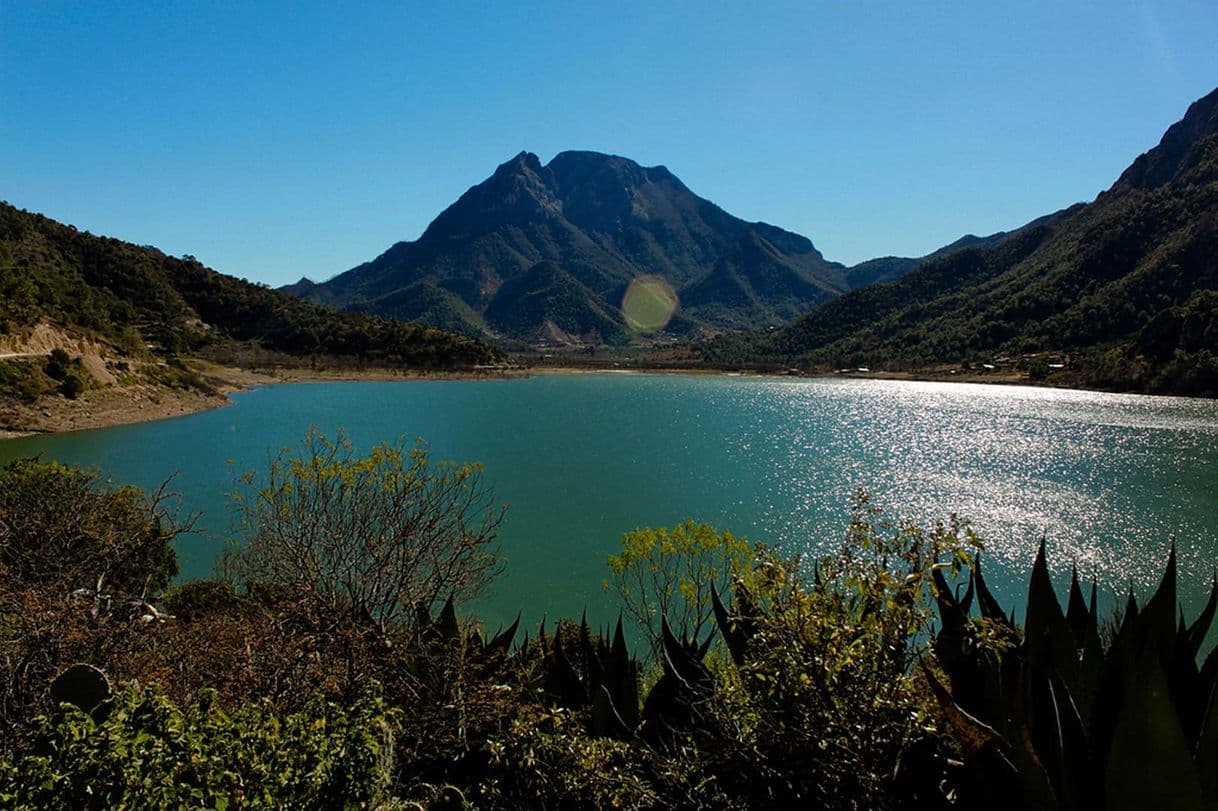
x,y
1091,605
953,617
1091,663
1189,695
721,612
706,643
973,734
562,683
966,602
502,641
1206,752
1150,762
585,634
1130,617
1077,784
673,703
990,609
1199,630
1116,679
1158,619
619,640
736,630
1001,784
446,625
1207,680
1085,630
680,658
422,616
1047,638
607,721
627,700
1077,615
620,678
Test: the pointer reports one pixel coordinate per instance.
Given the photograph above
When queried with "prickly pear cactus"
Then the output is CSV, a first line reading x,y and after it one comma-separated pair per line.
x,y
82,685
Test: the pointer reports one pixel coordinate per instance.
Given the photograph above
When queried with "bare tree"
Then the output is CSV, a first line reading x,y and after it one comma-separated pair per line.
x,y
373,536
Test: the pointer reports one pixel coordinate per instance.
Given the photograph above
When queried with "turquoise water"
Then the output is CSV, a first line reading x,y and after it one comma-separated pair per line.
x,y
579,459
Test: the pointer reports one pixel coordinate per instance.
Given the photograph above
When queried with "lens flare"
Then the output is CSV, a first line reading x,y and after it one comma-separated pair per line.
x,y
649,304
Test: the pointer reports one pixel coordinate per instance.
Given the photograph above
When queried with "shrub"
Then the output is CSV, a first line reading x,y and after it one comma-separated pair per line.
x,y
59,523
836,714
1051,715
59,364
369,537
72,386
147,753
663,573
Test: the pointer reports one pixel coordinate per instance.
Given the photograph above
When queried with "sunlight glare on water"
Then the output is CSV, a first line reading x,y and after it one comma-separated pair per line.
x,y
1107,479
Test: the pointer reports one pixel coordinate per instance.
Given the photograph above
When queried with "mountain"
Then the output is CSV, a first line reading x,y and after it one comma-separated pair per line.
x,y
597,221
890,268
144,303
1126,285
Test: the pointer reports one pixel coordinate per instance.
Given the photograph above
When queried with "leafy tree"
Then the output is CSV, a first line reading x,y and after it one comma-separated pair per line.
x,y
669,573
826,665
372,537
60,524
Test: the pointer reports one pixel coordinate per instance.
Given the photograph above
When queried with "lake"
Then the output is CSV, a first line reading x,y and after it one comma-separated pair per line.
x,y
581,458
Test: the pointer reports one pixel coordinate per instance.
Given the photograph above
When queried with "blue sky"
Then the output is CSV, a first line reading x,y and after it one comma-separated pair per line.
x,y
275,140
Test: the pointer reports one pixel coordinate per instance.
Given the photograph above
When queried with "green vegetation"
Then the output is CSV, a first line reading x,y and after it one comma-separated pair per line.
x,y
670,574
1055,715
371,536
545,294
141,301
323,676
25,379
1121,288
561,243
145,752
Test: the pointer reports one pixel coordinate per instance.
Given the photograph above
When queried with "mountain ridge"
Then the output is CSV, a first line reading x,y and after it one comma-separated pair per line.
x,y
1127,285
604,220
141,300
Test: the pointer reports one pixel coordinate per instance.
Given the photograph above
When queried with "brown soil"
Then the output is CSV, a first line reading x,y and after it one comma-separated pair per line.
x,y
143,402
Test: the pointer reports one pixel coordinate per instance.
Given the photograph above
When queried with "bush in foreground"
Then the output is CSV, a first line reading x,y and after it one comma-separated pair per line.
x,y
145,752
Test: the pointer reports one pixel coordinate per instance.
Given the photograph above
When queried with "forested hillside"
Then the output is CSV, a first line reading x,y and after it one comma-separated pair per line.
x,y
1121,290
138,299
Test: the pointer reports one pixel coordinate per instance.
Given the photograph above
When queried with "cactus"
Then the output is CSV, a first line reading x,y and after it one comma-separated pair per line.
x,y
82,685
591,672
672,706
1051,719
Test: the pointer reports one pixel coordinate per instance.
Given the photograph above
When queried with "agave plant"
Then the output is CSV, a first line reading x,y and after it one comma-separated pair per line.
x,y
1050,717
582,670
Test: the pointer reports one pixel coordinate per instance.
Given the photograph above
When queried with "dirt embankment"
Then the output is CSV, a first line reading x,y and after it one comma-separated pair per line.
x,y
116,402
117,392
132,395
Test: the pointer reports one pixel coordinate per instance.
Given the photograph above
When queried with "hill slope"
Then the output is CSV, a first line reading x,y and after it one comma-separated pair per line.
x,y
602,220
1125,284
140,300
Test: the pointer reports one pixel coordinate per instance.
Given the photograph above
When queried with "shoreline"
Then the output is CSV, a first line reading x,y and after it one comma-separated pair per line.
x,y
115,406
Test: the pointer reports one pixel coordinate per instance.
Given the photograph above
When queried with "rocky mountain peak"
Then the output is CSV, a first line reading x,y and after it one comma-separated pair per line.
x,y
1182,146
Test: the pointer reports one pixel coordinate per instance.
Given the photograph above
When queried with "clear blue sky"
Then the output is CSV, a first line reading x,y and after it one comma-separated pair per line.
x,y
279,140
